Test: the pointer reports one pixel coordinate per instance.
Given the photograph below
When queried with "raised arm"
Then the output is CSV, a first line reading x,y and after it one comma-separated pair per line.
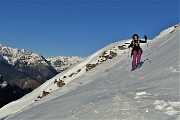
x,y
142,41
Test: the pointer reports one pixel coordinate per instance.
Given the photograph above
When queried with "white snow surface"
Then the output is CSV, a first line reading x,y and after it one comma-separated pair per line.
x,y
110,90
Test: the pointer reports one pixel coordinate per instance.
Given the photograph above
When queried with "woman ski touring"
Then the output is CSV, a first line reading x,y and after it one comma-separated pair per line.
x,y
136,50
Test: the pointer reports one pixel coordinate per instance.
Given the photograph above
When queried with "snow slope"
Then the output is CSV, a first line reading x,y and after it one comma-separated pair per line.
x,y
103,87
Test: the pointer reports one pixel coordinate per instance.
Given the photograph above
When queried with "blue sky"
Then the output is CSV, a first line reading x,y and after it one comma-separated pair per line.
x,y
79,28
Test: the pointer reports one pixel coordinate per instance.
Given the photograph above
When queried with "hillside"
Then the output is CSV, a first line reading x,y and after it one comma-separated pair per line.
x,y
9,93
16,77
103,87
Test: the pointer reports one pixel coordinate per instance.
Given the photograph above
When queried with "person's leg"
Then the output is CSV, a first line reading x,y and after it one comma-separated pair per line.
x,y
138,56
134,59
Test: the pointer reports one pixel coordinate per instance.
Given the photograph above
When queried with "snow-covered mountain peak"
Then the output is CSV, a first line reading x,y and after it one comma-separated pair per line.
x,y
12,55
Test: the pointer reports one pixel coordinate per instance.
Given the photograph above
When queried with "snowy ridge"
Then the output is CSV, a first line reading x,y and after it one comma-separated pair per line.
x,y
168,30
62,63
103,87
12,55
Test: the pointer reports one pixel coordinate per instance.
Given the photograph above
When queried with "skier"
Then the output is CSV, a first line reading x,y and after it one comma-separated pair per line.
x,y
136,50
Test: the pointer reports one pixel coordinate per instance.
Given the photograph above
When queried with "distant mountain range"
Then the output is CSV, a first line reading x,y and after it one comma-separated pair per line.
x,y
28,70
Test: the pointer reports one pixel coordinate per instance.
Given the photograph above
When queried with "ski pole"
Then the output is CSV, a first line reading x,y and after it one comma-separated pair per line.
x,y
127,59
128,52
145,37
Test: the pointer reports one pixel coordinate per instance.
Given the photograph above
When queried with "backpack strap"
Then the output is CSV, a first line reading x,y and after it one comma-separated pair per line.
x,y
134,43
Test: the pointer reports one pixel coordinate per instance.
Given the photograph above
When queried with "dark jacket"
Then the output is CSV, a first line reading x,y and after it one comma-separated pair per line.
x,y
135,44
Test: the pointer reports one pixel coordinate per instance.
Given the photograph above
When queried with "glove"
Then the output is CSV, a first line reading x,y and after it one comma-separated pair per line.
x,y
145,37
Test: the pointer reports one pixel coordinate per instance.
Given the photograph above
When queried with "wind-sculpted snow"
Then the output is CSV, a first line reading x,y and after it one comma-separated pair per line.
x,y
108,89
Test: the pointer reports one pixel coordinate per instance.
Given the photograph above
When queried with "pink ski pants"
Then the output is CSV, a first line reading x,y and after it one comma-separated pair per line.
x,y
136,56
